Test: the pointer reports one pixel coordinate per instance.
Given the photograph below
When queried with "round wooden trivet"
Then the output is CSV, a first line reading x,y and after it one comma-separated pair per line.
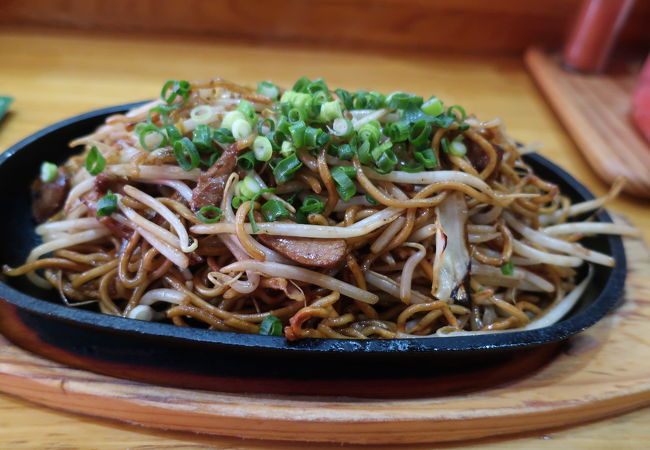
x,y
601,372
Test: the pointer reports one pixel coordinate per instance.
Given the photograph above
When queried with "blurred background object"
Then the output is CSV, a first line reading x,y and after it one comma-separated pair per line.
x,y
468,26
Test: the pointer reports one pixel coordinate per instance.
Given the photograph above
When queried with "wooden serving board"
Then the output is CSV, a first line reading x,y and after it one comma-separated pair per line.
x,y
601,372
595,110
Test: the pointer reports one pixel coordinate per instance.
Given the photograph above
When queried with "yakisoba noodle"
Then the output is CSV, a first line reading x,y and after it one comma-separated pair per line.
x,y
309,213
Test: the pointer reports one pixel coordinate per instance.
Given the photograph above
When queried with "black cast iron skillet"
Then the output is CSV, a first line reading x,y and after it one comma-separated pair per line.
x,y
160,353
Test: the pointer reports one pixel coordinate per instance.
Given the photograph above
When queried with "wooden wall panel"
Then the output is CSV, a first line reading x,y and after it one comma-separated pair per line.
x,y
503,26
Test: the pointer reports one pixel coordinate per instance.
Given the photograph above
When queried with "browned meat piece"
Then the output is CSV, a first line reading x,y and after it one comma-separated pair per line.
x,y
209,189
48,198
478,157
103,184
307,251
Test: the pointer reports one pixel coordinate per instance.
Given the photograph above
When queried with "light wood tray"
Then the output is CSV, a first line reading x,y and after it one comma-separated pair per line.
x,y
601,372
595,110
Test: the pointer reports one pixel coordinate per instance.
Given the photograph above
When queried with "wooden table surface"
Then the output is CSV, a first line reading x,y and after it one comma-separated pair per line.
x,y
53,75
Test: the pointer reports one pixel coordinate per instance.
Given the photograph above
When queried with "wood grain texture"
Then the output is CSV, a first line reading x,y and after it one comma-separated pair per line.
x,y
54,75
601,372
449,25
596,111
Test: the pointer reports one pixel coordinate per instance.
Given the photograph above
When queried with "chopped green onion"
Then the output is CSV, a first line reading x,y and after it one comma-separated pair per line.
x,y
268,89
301,84
312,136
202,138
349,171
457,146
247,110
444,143
95,162
202,114
368,100
231,117
330,111
286,168
298,100
345,152
173,134
387,161
246,161
262,148
508,269
433,107
463,127
419,134
173,89
274,210
370,199
237,201
287,148
248,187
151,137
345,97
251,211
223,136
411,166
318,85
427,157
186,154
49,170
401,100
297,132
107,204
241,129
276,138
342,127
370,132
397,131
460,109
163,111
271,326
344,185
296,115
265,126
312,205
213,158
209,214
363,151
380,149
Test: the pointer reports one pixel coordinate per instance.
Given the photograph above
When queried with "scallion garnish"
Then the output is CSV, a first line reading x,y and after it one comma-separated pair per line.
x,y
370,132
345,152
312,205
173,134
286,168
271,326
419,134
241,129
262,148
344,185
274,210
223,136
427,157
330,111
202,138
342,128
410,166
386,162
247,110
311,136
298,100
231,117
151,137
202,114
397,131
433,107
460,109
401,100
268,89
209,214
107,204
265,126
345,97
508,269
457,146
95,162
186,154
297,132
246,161
370,199
49,170
173,89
